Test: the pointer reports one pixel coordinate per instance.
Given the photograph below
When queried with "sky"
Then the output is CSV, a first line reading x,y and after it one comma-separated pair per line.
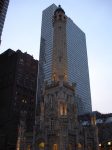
x,y
22,31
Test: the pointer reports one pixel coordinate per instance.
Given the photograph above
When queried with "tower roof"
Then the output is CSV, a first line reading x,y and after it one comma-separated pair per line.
x,y
59,9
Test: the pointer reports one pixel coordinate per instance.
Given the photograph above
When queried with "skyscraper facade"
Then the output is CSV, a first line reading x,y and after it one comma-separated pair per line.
x,y
3,10
76,57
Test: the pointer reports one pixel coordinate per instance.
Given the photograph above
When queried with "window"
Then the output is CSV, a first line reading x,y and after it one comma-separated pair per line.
x,y
70,147
54,76
63,109
24,101
52,124
42,145
42,107
28,147
55,146
51,101
21,61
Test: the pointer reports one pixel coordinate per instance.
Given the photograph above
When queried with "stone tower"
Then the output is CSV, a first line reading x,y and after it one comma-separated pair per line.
x,y
57,127
59,58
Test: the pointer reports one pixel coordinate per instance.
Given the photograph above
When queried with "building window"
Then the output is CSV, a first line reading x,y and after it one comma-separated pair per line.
x,y
69,147
21,61
63,109
28,147
52,124
80,146
41,145
55,146
24,101
42,107
54,76
51,101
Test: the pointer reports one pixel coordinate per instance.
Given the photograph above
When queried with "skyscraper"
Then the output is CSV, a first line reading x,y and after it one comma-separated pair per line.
x,y
76,57
3,10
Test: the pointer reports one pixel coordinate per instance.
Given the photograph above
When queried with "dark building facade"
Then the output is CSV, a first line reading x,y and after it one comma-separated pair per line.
x,y
3,10
18,78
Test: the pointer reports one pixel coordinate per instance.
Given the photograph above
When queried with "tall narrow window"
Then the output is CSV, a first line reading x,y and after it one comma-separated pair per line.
x,y
28,147
52,124
55,147
63,109
42,107
51,101
69,146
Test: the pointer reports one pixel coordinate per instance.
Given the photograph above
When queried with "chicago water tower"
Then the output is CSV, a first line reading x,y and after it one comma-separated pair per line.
x,y
57,126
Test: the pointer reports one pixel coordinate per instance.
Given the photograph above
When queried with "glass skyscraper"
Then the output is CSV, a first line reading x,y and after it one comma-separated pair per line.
x,y
3,10
76,55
